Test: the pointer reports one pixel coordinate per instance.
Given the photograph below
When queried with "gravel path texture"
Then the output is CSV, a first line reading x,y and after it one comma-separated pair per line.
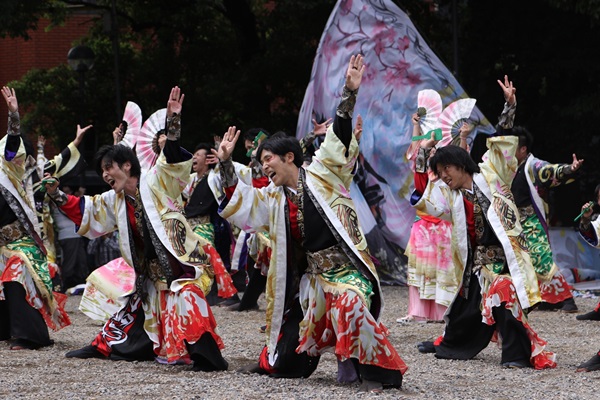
x,y
47,374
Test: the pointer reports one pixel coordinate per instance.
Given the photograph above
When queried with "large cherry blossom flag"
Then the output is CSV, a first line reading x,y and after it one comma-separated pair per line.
x,y
399,65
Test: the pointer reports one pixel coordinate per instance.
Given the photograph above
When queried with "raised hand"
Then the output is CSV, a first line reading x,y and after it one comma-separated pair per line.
x,y
230,138
428,143
587,210
415,120
41,141
174,105
355,71
11,98
80,134
465,130
576,163
217,140
162,140
50,183
118,134
358,129
211,159
320,129
509,90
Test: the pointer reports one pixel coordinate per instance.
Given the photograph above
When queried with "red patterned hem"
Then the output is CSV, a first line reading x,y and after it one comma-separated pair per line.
x,y
555,291
342,323
501,291
172,320
225,286
184,318
263,361
56,318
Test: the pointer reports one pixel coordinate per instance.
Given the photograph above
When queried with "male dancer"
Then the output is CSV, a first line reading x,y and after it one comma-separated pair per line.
x,y
498,280
201,213
167,316
27,304
533,179
589,229
323,292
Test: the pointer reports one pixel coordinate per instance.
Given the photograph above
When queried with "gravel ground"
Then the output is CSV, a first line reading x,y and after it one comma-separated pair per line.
x,y
47,374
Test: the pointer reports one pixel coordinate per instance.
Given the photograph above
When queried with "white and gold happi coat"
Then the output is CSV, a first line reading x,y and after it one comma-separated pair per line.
x,y
160,190
497,172
31,270
263,210
595,231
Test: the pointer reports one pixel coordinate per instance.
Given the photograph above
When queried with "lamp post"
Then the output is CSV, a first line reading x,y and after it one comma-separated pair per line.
x,y
81,60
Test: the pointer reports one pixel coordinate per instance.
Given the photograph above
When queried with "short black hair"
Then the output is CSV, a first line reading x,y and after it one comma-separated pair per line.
x,y
251,133
525,137
204,146
208,148
119,154
280,144
453,155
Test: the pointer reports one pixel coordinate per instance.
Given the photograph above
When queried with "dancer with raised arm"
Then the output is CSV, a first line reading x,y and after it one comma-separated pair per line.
x,y
166,317
589,229
498,280
28,307
323,292
530,187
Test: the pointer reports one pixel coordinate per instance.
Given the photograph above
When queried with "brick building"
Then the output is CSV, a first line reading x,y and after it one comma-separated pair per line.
x,y
45,49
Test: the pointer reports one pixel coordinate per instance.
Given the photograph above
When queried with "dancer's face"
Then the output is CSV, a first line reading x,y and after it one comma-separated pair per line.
x,y
199,161
116,176
280,169
454,177
521,153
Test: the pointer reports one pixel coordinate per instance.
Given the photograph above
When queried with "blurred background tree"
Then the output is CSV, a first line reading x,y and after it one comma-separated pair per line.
x,y
247,63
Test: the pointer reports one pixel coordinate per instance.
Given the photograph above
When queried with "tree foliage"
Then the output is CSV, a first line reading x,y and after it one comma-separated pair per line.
x,y
247,63
19,17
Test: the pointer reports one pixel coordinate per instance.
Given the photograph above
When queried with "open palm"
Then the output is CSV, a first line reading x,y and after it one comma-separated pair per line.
x,y
228,142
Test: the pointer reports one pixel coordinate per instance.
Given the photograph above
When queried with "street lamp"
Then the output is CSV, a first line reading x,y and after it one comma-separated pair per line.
x,y
81,60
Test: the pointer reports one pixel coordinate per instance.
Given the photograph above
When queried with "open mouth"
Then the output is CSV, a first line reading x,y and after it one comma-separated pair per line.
x,y
271,175
111,182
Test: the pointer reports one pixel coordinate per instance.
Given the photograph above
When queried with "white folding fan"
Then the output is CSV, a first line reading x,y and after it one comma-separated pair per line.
x,y
429,108
452,118
133,120
144,147
429,105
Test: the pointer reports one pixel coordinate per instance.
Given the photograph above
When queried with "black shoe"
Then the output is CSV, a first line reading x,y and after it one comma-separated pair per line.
x,y
516,364
549,306
426,347
251,369
591,316
371,387
569,306
85,352
206,367
235,299
240,307
593,364
24,344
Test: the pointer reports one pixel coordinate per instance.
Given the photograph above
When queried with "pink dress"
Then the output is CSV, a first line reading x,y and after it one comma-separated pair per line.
x,y
432,278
